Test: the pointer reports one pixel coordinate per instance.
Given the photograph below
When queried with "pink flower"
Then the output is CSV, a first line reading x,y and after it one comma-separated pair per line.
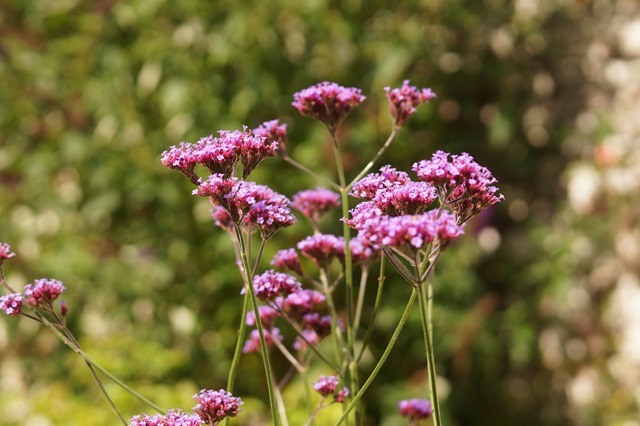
x,y
219,155
181,158
253,149
269,217
327,102
273,132
301,302
214,406
404,101
11,304
222,218
272,284
342,396
326,385
253,343
314,203
43,291
268,316
415,409
368,186
287,259
172,418
5,252
410,198
322,248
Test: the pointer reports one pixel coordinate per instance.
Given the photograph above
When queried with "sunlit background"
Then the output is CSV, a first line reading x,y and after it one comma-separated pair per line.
x,y
537,318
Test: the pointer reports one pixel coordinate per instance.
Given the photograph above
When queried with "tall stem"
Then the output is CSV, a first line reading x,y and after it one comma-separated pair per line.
x,y
382,359
307,170
376,306
361,292
375,158
431,362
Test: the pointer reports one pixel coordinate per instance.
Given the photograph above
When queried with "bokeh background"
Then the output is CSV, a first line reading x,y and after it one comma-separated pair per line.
x,y
537,307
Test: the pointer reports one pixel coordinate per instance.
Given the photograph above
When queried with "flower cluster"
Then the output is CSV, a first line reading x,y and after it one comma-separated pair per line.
x,y
368,186
411,198
462,183
301,302
404,101
11,304
5,252
314,203
415,409
316,327
172,418
327,385
273,131
267,316
287,259
253,342
327,102
214,406
322,248
43,291
272,284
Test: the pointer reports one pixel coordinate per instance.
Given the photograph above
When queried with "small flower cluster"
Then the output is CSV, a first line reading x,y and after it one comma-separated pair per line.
x,y
11,304
271,284
5,252
404,101
415,409
327,102
273,131
389,177
41,294
322,248
314,203
214,406
327,385
172,418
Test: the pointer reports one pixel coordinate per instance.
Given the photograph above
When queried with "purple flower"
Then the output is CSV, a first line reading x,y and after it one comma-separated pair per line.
x,y
322,248
314,203
268,316
11,304
182,158
5,252
410,198
326,385
321,324
415,409
253,343
342,396
362,251
368,186
253,149
365,217
404,101
287,259
462,183
269,217
216,187
172,418
272,284
310,337
222,218
301,302
43,291
219,155
214,406
273,132
327,102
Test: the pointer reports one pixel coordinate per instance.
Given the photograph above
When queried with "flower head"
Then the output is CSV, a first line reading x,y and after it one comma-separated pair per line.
x,y
43,291
5,252
219,155
410,198
326,385
172,418
404,101
314,203
269,217
253,149
287,259
368,186
11,304
214,406
273,132
322,248
342,395
327,102
301,302
415,409
253,343
272,284
222,218
268,316
182,158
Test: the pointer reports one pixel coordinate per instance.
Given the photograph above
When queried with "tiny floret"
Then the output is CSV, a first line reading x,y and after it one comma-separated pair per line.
x,y
11,304
214,406
43,291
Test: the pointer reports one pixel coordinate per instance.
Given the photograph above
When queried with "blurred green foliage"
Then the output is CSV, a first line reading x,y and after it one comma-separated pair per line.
x,y
91,93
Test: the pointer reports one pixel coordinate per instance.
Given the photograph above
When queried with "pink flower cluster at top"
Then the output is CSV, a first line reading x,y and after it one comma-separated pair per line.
x,y
214,406
327,102
415,409
404,101
172,418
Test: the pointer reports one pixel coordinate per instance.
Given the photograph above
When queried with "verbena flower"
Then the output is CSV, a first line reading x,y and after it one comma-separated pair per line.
x,y
215,406
287,259
253,343
321,324
219,155
182,158
321,248
364,217
273,131
342,395
415,409
403,101
43,291
268,316
272,284
5,252
362,251
269,217
253,149
410,198
368,186
222,218
462,183
314,203
301,302
216,187
172,418
327,102
11,304
310,337
326,385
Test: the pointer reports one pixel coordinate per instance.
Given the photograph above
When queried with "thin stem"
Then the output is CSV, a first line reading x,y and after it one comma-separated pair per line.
x,y
431,363
242,331
294,362
263,344
335,327
281,407
375,158
376,306
305,169
361,292
382,359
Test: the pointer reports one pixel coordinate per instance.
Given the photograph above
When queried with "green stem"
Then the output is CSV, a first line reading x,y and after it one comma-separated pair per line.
x,y
242,331
376,306
431,363
375,158
263,344
336,333
361,292
382,359
305,169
